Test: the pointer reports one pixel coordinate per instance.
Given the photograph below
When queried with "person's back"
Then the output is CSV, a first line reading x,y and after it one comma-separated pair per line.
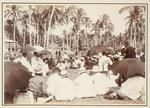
x,y
38,86
130,52
104,62
35,84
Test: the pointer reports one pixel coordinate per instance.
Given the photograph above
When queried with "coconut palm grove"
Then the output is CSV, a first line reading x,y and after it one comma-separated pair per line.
x,y
74,54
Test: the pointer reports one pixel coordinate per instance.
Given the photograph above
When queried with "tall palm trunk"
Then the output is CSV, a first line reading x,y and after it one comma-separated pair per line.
x,y
135,35
45,36
30,30
49,29
37,33
14,33
23,39
70,41
67,36
63,43
131,40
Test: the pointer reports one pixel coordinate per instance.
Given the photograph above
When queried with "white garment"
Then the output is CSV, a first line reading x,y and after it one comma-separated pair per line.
x,y
65,56
66,90
111,80
45,69
95,68
34,61
23,98
133,87
104,62
61,66
100,83
53,82
84,86
25,62
17,60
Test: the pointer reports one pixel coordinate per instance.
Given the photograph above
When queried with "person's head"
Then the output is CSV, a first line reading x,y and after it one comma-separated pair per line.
x,y
35,54
104,53
24,54
126,43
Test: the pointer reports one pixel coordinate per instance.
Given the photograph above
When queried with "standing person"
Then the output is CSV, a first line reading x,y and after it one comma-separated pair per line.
x,y
104,62
129,50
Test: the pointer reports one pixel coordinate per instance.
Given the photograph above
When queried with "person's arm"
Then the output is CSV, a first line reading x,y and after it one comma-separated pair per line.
x,y
119,80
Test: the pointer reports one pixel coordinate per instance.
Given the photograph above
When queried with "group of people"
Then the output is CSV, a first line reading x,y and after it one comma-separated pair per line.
x,y
50,78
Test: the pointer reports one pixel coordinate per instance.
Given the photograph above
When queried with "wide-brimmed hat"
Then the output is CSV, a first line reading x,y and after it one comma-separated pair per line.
x,y
83,71
38,70
64,73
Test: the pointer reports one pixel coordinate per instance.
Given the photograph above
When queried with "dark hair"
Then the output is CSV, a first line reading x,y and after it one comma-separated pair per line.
x,y
126,43
103,53
35,54
24,54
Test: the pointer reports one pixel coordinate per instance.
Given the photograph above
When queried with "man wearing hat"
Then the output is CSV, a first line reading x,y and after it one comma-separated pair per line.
x,y
129,50
37,84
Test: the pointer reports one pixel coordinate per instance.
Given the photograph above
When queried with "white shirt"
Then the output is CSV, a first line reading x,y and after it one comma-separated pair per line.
x,y
25,62
45,69
104,61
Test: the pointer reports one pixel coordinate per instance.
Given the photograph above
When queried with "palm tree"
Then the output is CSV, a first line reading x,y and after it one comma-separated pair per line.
x,y
66,16
78,20
135,16
49,17
102,24
87,22
13,13
55,13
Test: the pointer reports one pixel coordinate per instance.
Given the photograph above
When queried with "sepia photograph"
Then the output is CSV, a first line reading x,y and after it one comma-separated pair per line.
x,y
74,54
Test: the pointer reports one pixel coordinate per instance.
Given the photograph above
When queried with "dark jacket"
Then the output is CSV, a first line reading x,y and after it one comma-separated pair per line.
x,y
130,52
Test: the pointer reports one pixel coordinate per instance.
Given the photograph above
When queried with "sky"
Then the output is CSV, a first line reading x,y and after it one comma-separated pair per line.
x,y
94,11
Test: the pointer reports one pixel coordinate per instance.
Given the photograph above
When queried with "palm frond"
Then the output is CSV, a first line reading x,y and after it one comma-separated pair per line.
x,y
124,9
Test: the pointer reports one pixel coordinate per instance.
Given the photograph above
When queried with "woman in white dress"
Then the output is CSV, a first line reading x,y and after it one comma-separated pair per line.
x,y
103,83
65,89
84,86
53,82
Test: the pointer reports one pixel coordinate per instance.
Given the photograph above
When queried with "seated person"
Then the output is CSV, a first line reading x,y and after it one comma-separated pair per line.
x,y
37,84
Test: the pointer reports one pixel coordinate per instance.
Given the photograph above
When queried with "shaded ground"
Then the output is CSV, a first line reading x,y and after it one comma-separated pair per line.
x,y
98,100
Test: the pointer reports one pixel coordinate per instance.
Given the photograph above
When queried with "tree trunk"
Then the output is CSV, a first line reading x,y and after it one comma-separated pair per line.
x,y
14,33
49,27
38,33
131,40
45,36
30,30
135,36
